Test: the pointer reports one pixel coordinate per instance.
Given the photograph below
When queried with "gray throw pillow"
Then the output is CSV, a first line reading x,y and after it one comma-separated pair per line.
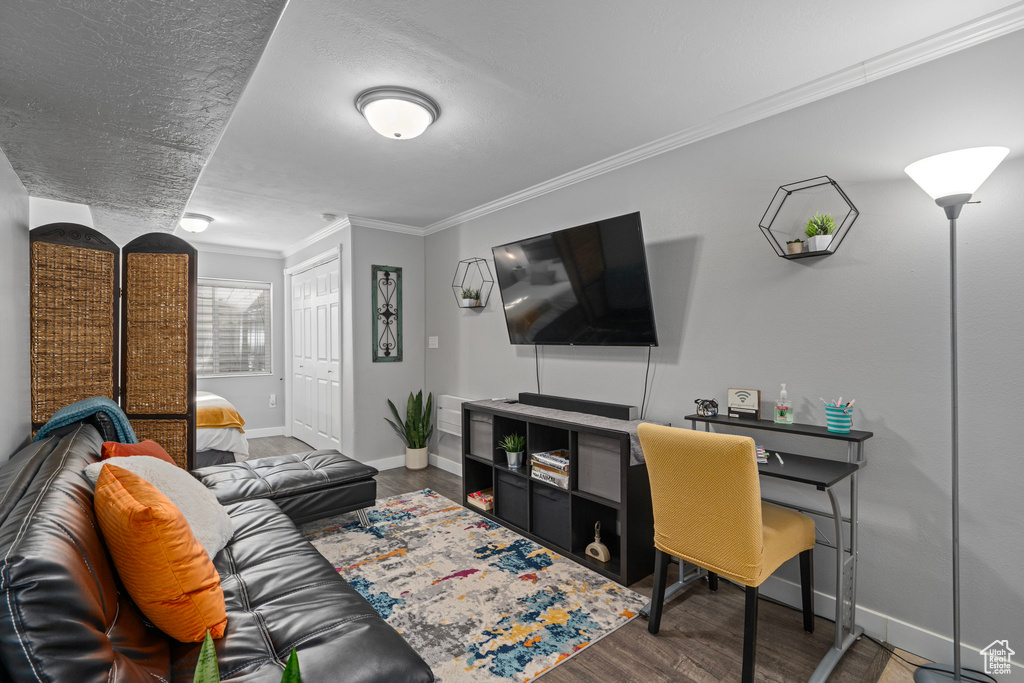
x,y
205,515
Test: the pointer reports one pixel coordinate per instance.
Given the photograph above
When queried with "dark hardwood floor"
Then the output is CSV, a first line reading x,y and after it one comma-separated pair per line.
x,y
701,636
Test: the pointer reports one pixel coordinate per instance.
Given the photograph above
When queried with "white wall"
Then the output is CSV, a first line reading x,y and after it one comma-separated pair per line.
x,y
366,386
16,426
870,322
251,395
45,211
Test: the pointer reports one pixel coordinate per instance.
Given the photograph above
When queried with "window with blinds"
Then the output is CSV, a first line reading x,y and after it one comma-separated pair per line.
x,y
233,328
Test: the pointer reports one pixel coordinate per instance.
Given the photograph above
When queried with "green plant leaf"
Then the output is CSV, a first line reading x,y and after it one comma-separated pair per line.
x,y
820,224
398,430
291,669
513,443
206,665
398,425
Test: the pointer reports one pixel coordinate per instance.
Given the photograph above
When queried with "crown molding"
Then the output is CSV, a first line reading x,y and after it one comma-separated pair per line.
x,y
325,257
236,251
994,25
375,224
296,247
346,222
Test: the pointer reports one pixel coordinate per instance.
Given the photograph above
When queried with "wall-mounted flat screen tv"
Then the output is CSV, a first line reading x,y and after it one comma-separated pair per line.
x,y
583,286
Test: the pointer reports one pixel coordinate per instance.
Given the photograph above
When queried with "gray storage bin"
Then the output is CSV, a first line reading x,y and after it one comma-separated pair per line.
x,y
510,501
551,515
481,439
597,466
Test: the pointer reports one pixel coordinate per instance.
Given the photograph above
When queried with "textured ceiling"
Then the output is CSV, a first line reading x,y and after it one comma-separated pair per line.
x,y
120,107
528,91
118,104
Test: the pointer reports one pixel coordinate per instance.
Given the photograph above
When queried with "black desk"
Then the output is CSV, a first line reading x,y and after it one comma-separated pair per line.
x,y
853,436
823,474
818,472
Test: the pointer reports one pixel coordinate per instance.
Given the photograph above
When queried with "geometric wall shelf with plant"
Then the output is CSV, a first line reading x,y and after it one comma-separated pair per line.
x,y
472,283
808,218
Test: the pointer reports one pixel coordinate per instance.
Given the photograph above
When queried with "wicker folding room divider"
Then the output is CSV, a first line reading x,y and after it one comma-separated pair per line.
x,y
82,286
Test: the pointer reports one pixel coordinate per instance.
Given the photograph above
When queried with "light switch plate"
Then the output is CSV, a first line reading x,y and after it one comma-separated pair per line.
x,y
432,342
273,401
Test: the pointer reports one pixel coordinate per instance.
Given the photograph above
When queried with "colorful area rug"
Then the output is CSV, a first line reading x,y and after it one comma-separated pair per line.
x,y
477,601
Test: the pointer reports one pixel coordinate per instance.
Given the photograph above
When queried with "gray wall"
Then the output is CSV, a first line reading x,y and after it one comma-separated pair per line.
x,y
366,386
251,395
870,322
16,427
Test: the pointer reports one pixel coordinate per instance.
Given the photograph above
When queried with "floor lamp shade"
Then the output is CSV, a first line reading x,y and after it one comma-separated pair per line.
x,y
956,173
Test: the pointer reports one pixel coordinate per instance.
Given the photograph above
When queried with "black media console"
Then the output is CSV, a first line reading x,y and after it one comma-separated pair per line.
x,y
603,486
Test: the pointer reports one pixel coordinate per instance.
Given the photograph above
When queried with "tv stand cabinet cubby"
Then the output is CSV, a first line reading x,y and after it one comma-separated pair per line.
x,y
603,487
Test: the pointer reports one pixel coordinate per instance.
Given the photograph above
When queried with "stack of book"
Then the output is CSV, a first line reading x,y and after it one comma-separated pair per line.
x,y
551,467
762,455
482,499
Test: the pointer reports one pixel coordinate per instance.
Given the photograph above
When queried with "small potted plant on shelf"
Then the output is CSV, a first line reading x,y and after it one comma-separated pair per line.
x,y
513,445
470,297
795,246
819,230
415,430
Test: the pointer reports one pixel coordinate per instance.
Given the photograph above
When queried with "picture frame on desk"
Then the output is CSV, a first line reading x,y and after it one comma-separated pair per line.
x,y
744,404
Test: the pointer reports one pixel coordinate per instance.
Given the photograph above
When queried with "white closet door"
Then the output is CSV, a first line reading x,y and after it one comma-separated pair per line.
x,y
316,362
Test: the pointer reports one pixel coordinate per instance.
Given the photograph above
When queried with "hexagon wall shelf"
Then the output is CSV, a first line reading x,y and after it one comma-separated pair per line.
x,y
793,204
473,273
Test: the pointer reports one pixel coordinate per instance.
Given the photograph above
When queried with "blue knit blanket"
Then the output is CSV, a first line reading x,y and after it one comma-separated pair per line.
x,y
88,407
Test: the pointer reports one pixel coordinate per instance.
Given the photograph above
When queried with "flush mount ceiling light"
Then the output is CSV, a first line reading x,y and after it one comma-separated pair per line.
x,y
397,113
195,222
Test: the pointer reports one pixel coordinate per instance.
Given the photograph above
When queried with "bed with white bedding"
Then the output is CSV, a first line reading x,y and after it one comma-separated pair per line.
x,y
220,436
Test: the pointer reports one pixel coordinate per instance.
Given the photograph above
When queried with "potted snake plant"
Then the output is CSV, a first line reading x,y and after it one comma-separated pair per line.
x,y
415,430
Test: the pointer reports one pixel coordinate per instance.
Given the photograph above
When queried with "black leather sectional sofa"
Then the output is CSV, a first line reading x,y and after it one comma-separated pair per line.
x,y
65,617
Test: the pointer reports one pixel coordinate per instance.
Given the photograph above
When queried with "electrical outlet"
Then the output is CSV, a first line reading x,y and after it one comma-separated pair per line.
x,y
431,342
273,400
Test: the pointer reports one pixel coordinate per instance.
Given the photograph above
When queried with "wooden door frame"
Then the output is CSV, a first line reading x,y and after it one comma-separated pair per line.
x,y
310,263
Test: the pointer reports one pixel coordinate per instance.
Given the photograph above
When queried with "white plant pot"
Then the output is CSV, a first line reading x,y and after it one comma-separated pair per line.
x,y
819,242
415,458
470,303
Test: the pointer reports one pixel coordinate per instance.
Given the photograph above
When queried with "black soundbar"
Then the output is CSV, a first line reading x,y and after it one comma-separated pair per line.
x,y
616,411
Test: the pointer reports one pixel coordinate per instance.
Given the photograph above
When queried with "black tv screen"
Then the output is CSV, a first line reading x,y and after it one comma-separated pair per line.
x,y
585,286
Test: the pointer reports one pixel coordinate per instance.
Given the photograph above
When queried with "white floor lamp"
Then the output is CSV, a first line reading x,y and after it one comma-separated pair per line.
x,y
951,179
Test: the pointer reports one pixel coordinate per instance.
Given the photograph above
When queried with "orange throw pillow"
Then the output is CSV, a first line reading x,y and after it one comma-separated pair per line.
x,y
162,565
113,449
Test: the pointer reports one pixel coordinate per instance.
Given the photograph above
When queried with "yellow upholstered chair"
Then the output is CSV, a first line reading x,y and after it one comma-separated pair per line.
x,y
708,511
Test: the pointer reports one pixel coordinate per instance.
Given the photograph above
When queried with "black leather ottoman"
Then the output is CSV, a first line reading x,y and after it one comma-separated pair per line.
x,y
305,486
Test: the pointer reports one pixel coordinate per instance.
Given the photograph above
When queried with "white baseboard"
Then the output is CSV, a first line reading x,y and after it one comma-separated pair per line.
x,y
919,641
265,431
445,464
392,463
396,461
